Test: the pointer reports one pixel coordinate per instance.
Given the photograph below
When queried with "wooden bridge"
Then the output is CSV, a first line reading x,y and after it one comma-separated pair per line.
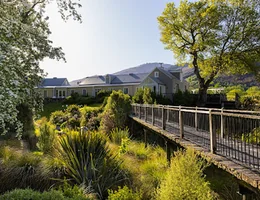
x,y
228,138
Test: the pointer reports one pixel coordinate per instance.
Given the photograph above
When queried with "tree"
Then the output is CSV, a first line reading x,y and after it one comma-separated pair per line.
x,y
24,42
214,37
147,96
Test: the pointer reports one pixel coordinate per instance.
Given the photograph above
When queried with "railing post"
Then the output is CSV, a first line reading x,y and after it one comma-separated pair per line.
x,y
181,123
139,111
213,146
222,124
152,115
168,152
145,113
163,118
196,119
145,137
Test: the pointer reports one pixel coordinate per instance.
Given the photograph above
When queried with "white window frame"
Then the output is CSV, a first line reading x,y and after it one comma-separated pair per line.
x,y
85,92
97,90
127,90
156,74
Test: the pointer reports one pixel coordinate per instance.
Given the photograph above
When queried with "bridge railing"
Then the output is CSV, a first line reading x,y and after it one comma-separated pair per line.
x,y
232,133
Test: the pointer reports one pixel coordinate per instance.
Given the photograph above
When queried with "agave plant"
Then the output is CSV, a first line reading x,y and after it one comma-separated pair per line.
x,y
89,162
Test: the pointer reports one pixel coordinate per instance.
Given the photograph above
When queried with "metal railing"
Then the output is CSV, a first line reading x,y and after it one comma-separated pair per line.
x,y
234,134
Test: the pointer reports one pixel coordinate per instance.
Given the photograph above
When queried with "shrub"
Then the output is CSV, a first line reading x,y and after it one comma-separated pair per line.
x,y
147,96
58,117
116,111
46,136
29,194
89,162
87,113
184,179
124,194
117,135
138,96
253,137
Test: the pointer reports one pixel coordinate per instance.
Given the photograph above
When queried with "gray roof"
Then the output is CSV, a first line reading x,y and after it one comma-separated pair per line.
x,y
93,80
129,78
157,80
53,82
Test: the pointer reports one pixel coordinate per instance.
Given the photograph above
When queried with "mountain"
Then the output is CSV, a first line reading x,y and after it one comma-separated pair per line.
x,y
147,68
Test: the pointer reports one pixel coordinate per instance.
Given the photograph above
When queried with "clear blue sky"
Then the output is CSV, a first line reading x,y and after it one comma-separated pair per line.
x,y
114,35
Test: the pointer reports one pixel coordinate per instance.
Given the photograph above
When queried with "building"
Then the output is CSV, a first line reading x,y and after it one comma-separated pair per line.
x,y
160,80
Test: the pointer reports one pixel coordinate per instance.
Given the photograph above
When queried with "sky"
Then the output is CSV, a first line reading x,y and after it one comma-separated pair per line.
x,y
114,35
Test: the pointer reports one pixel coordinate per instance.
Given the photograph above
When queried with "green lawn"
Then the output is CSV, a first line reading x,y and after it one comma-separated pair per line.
x,y
51,107
54,106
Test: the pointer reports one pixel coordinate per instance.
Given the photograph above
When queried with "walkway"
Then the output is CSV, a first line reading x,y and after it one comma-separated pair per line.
x,y
229,138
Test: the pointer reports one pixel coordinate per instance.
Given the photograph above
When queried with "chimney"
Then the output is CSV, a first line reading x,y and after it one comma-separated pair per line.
x,y
161,65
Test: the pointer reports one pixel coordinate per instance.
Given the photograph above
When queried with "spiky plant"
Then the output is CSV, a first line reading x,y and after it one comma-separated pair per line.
x,y
89,162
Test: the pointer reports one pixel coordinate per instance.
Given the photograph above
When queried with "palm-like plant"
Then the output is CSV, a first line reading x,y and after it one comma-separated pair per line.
x,y
89,162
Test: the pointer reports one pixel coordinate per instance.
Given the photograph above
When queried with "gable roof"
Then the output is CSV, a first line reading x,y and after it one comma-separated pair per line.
x,y
93,80
54,82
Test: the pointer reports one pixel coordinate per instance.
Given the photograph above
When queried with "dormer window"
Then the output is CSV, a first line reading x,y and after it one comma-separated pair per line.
x,y
156,74
107,79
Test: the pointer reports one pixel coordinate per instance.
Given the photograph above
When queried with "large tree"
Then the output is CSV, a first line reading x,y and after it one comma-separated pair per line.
x,y
24,42
214,37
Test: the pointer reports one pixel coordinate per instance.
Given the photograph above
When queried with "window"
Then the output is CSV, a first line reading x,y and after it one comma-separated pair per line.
x,y
154,89
156,74
96,91
63,93
45,94
84,92
125,90
177,87
72,92
56,93
60,94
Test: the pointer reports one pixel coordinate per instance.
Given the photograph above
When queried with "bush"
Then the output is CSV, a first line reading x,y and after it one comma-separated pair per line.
x,y
147,96
124,194
58,117
117,135
138,96
87,113
89,162
116,111
46,136
184,179
253,137
28,194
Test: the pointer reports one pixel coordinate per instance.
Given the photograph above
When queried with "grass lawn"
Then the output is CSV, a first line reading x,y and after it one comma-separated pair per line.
x,y
54,106
51,107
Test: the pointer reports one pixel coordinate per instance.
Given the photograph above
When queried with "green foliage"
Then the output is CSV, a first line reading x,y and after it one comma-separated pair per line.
x,y
50,107
124,194
46,136
138,96
116,111
89,162
27,170
253,137
90,117
24,43
116,135
147,96
213,37
146,166
184,99
58,117
29,194
184,179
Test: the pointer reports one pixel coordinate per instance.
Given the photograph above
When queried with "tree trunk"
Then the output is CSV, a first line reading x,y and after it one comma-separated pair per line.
x,y
202,95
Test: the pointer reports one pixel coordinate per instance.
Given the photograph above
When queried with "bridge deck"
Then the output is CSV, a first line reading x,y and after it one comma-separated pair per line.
x,y
240,158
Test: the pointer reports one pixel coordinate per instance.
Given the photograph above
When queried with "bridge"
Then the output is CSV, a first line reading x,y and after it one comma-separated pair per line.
x,y
229,139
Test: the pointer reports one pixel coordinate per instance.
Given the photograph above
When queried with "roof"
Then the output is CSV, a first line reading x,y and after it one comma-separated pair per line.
x,y
129,78
54,82
157,80
93,80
